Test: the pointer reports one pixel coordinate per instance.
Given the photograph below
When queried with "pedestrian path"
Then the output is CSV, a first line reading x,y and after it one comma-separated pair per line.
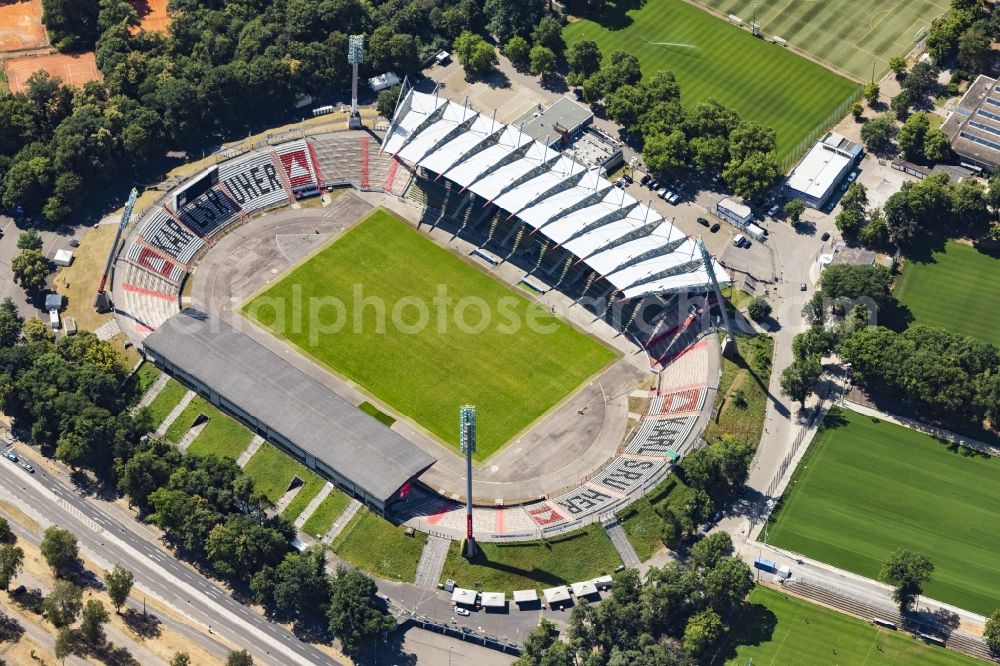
x,y
614,529
251,449
341,522
108,329
311,507
431,562
287,498
190,435
150,395
174,413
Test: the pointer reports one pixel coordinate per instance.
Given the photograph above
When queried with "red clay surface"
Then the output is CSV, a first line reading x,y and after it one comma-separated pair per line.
x,y
152,15
72,69
21,25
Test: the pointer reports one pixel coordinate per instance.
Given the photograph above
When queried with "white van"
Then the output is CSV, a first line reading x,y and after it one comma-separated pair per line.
x,y
54,319
739,240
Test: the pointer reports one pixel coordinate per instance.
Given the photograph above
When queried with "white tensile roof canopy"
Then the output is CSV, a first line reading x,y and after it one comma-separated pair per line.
x,y
625,241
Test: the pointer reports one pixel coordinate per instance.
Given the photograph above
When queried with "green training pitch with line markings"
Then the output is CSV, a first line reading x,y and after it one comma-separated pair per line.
x,y
867,487
713,59
848,34
953,289
513,374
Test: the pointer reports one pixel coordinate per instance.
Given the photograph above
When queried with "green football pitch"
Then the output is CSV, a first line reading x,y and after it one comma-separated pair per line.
x,y
951,289
779,629
713,59
449,334
848,34
867,487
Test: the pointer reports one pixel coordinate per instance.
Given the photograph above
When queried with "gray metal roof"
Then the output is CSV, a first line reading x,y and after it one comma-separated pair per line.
x,y
307,413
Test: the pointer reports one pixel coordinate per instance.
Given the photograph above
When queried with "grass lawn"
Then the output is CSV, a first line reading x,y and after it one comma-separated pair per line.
x,y
372,410
868,487
642,524
749,377
166,400
273,471
326,513
223,435
940,291
779,629
513,374
379,547
713,59
505,567
180,426
845,33
139,383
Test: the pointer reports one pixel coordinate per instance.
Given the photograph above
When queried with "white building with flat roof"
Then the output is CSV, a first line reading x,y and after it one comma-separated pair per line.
x,y
816,177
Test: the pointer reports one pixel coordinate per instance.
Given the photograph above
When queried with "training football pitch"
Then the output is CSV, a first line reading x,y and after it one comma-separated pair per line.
x,y
867,487
713,59
449,333
848,34
954,289
779,629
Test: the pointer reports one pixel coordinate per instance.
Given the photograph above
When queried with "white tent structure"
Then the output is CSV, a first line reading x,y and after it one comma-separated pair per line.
x,y
620,239
556,595
464,596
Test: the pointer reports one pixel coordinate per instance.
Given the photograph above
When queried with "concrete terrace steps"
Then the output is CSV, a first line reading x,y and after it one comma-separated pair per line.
x,y
190,436
341,522
251,449
175,412
153,391
149,299
431,562
313,504
624,547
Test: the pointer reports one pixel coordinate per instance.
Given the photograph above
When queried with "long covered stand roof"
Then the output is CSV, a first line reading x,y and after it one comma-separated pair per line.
x,y
623,240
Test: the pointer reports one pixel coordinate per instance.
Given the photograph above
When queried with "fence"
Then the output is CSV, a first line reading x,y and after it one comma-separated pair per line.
x,y
819,129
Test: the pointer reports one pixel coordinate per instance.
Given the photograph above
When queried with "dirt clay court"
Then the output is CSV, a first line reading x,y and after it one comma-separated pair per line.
x,y
152,15
74,70
21,26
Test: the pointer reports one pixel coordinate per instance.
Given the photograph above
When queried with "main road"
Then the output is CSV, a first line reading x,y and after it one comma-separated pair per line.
x,y
108,541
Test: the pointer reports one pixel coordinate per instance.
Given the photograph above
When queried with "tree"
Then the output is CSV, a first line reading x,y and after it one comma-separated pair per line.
x,y
702,632
749,138
301,586
30,270
11,325
180,659
876,232
71,24
871,93
814,342
6,534
793,209
758,308
387,99
543,60
727,583
35,330
975,49
241,658
95,615
63,604
751,176
506,18
710,550
857,111
65,643
548,33
518,50
907,571
856,282
663,152
991,633
877,134
937,147
799,379
11,560
538,641
898,65
584,58
352,617
911,136
901,103
476,55
29,239
969,206
119,582
60,550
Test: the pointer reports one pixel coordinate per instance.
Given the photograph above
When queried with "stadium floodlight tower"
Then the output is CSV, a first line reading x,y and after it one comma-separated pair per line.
x,y
355,56
729,349
101,302
467,437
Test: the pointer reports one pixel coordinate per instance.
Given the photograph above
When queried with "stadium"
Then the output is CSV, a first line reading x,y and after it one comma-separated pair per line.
x,y
478,197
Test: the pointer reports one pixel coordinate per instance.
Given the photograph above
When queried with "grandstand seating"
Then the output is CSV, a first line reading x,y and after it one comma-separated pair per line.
x,y
687,400
296,160
170,237
660,437
339,156
149,299
209,213
626,475
151,261
253,181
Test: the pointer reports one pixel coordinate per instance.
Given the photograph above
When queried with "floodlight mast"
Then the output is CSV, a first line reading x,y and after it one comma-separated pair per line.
x,y
101,302
467,438
355,56
729,349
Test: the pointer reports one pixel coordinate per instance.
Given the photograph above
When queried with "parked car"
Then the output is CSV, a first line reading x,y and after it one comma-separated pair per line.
x,y
627,178
714,227
773,210
74,243
802,286
645,179
674,198
825,236
10,455
703,222
662,192
464,612
654,184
